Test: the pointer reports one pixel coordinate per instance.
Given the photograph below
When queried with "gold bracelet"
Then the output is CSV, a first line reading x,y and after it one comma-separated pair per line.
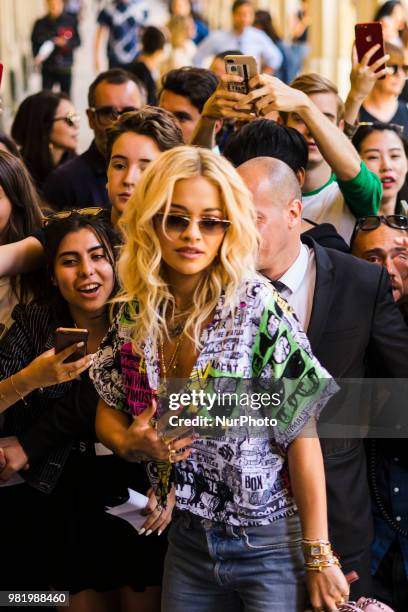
x,y
17,392
317,565
316,548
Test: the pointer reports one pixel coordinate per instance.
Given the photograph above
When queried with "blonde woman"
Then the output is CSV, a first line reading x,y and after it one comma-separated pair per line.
x,y
181,50
194,309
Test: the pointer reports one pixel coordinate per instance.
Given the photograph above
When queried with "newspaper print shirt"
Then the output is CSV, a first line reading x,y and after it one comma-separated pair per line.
x,y
233,477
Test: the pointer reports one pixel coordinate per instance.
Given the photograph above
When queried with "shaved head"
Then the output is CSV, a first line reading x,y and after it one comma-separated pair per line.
x,y
268,173
277,198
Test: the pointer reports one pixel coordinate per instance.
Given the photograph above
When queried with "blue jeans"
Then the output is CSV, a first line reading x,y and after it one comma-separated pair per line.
x,y
214,567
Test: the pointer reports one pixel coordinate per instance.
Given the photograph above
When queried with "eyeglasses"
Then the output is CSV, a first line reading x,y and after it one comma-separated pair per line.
x,y
394,68
70,119
392,126
367,224
90,211
208,226
109,114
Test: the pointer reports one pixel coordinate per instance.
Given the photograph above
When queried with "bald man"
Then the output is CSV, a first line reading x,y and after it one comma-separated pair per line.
x,y
346,308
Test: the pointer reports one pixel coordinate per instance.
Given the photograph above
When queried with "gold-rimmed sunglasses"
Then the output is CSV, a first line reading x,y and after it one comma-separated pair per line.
x,y
90,211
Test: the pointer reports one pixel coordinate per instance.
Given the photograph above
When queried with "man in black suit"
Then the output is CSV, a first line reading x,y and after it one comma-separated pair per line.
x,y
345,305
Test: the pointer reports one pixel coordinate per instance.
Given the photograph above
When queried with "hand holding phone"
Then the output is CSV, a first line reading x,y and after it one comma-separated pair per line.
x,y
241,65
63,363
67,336
369,35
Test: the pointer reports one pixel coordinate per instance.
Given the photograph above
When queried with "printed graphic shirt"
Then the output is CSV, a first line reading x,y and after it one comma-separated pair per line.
x,y
123,19
233,477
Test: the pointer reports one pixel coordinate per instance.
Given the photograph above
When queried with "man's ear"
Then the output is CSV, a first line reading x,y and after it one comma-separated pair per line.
x,y
218,125
300,175
295,211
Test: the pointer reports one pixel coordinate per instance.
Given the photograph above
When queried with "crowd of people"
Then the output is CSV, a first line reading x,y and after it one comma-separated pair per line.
x,y
210,241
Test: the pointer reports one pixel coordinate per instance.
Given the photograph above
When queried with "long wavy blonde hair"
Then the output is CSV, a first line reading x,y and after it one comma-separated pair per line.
x,y
142,276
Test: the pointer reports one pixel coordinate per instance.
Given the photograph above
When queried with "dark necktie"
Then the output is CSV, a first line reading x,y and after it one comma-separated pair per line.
x,y
279,286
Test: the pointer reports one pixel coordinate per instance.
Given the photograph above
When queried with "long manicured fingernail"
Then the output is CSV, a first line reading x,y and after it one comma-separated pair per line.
x,y
141,531
159,532
148,532
80,344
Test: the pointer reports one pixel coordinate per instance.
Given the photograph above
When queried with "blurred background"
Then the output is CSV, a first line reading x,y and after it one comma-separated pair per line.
x,y
330,37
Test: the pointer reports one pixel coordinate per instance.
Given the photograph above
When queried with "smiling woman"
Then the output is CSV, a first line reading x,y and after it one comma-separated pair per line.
x,y
382,147
77,282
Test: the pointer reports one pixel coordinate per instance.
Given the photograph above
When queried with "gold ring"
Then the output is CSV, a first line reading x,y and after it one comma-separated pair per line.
x,y
70,373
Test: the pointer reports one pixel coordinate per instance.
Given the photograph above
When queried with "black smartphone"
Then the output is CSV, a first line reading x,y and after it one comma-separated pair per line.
x,y
66,336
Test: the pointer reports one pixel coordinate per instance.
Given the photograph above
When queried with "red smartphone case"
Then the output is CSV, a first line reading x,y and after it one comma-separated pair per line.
x,y
368,35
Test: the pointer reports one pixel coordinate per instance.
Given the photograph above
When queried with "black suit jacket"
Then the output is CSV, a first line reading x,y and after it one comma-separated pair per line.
x,y
354,323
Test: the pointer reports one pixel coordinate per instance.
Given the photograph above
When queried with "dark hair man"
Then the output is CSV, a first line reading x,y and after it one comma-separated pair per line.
x,y
377,240
82,181
59,31
146,65
184,93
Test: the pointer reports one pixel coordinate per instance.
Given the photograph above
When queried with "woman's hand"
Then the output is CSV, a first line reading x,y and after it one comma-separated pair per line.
x,y
159,517
142,438
12,458
327,589
48,369
364,76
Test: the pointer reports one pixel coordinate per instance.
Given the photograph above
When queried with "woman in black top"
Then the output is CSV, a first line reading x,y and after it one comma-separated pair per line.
x,y
67,540
46,130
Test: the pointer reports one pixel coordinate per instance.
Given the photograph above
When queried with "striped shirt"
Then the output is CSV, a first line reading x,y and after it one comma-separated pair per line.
x,y
31,334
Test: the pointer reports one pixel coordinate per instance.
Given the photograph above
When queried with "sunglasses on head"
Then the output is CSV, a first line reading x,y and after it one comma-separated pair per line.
x,y
179,223
393,126
70,119
90,211
109,114
367,224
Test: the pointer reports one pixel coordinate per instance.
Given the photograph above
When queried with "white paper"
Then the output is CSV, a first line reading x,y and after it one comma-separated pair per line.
x,y
45,51
130,511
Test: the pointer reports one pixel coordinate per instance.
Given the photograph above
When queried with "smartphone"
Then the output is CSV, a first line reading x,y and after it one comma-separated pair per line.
x,y
1,72
66,336
241,65
368,35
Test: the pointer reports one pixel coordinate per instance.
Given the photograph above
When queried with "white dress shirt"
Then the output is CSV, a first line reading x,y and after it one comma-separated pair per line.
x,y
300,281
